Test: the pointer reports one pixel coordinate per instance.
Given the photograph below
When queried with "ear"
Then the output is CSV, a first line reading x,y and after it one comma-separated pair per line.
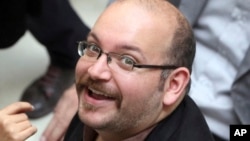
x,y
174,88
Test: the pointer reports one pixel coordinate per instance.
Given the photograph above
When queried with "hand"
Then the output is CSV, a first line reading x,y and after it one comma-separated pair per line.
x,y
64,112
14,123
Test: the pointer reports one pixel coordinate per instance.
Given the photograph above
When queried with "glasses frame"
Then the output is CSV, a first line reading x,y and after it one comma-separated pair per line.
x,y
79,44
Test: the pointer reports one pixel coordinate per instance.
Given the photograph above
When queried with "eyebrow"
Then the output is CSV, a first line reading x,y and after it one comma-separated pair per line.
x,y
121,47
91,34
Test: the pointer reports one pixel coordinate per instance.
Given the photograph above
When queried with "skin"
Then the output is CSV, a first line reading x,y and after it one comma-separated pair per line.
x,y
60,121
14,123
136,102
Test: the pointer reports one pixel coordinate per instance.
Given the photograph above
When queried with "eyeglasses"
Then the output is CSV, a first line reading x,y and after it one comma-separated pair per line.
x,y
91,52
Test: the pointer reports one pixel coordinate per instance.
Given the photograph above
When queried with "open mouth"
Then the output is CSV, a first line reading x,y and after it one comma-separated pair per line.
x,y
98,95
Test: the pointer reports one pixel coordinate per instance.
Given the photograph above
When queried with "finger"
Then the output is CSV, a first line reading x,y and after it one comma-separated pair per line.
x,y
17,107
18,118
25,134
17,131
12,120
21,126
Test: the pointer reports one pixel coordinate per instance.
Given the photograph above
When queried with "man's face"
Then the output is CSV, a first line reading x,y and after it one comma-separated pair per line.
x,y
113,99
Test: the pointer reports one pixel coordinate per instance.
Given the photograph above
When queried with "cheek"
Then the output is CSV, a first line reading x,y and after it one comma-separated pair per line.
x,y
81,69
137,88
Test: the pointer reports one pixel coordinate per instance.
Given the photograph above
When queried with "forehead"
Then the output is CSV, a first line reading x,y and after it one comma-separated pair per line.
x,y
134,25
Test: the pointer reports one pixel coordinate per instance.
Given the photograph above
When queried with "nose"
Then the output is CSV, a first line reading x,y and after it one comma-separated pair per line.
x,y
100,69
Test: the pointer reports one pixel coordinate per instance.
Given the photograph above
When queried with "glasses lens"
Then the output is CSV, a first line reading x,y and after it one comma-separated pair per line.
x,y
89,52
122,62
92,50
80,48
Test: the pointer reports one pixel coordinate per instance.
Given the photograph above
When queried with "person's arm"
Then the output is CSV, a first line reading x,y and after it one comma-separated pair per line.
x,y
64,112
14,123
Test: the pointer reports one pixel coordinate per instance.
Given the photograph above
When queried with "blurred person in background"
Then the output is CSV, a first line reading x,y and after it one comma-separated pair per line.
x,y
221,71
55,25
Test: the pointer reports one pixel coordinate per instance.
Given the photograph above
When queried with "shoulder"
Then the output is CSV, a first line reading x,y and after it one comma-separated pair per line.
x,y
186,123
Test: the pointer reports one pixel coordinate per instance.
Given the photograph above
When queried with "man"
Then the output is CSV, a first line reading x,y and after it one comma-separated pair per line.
x,y
222,36
134,74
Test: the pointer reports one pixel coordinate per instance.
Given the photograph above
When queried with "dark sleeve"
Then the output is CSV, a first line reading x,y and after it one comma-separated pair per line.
x,y
12,21
55,24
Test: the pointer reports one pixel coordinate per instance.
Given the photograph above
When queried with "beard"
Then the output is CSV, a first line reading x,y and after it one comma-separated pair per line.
x,y
123,116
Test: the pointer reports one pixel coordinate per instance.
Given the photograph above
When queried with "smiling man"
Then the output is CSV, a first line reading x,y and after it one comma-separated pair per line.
x,y
133,77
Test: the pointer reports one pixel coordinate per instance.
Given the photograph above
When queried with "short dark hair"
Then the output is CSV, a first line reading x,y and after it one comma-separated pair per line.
x,y
181,51
183,47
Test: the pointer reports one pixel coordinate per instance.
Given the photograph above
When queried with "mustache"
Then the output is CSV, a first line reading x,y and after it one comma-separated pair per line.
x,y
96,85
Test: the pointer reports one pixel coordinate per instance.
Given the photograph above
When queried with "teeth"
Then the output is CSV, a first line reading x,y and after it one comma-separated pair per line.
x,y
99,93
